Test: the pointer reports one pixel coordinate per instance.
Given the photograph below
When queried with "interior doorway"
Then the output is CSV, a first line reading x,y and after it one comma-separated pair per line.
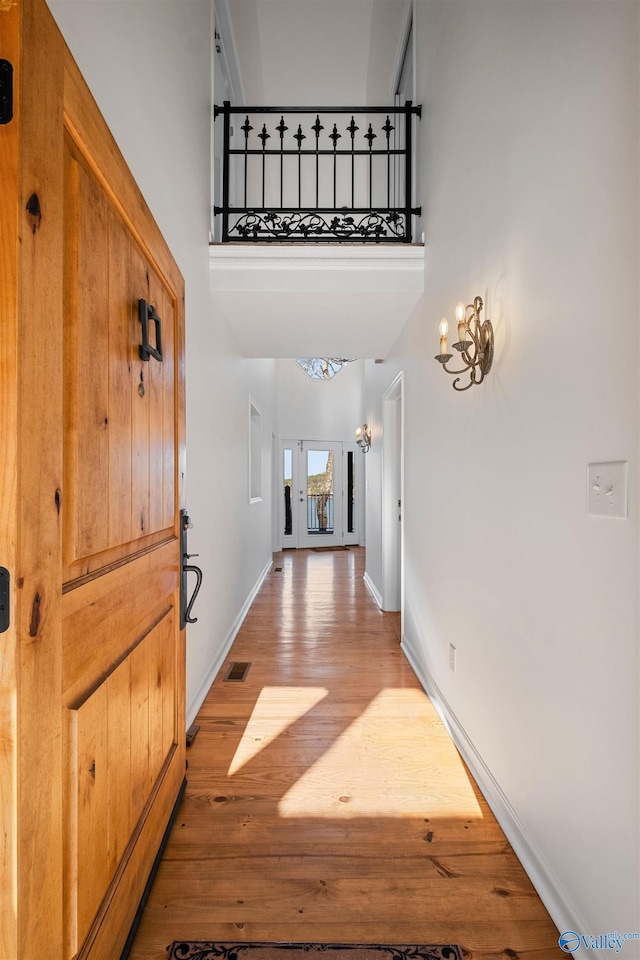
x,y
392,495
318,499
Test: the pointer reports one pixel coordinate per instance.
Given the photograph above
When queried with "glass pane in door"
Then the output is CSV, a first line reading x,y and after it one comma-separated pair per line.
x,y
288,491
351,491
320,492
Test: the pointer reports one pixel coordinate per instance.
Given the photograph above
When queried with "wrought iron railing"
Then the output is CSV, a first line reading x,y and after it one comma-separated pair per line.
x,y
320,513
308,186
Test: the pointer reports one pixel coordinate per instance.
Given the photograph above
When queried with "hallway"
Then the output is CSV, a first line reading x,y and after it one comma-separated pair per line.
x,y
325,799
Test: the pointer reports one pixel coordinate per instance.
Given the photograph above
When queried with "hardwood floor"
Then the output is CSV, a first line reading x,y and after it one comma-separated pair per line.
x,y
325,799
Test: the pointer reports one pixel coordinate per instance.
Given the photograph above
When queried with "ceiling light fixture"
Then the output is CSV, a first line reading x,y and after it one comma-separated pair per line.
x,y
322,368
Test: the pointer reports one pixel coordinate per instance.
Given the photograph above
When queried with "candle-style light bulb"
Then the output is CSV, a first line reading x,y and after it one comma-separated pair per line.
x,y
358,432
444,329
462,322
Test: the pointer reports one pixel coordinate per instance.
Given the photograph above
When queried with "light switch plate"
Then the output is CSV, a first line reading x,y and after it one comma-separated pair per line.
x,y
607,489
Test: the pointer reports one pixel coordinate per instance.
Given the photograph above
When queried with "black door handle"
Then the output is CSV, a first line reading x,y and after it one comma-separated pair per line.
x,y
191,568
145,313
186,605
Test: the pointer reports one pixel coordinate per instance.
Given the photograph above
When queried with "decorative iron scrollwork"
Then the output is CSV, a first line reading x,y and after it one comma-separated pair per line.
x,y
312,226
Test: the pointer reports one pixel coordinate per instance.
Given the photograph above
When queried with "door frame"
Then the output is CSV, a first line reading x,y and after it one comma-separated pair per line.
x,y
293,541
393,495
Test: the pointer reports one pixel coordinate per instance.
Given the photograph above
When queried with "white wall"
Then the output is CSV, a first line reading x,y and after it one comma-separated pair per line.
x,y
529,169
316,300
327,45
318,409
148,64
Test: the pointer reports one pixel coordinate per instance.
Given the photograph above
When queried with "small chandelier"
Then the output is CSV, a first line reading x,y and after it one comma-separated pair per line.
x,y
363,438
475,344
322,368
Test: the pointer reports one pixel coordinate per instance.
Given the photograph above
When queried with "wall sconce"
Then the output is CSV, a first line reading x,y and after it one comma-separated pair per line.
x,y
363,438
475,344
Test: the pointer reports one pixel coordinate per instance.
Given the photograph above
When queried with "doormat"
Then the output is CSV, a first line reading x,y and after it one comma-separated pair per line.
x,y
324,549
209,950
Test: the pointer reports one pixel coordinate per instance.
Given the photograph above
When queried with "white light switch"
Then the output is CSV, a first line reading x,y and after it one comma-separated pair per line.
x,y
607,489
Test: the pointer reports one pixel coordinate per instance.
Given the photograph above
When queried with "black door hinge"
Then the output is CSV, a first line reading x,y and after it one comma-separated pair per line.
x,y
6,91
5,617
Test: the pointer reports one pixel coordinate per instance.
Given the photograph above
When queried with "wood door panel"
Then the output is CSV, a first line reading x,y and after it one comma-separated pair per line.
x,y
158,640
140,739
91,861
155,388
86,396
120,443
119,753
170,413
32,913
138,281
105,618
119,409
9,471
121,822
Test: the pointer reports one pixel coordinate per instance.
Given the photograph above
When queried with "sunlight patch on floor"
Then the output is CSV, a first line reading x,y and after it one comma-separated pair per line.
x,y
275,710
381,765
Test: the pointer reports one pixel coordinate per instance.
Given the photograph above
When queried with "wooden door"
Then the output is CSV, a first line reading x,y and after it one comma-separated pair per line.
x,y
91,480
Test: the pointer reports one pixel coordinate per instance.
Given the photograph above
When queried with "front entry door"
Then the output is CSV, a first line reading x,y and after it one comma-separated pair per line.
x,y
92,742
319,495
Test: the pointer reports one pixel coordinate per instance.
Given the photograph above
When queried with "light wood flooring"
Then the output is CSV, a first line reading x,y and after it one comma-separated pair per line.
x,y
325,799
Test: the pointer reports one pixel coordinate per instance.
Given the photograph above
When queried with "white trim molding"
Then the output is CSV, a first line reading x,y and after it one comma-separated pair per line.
x,y
406,257
229,51
373,590
550,890
203,689
401,51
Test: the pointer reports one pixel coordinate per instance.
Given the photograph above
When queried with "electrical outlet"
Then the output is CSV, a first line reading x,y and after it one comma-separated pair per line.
x,y
452,658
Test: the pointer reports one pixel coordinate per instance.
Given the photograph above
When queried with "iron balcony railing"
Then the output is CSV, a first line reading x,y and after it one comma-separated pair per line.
x,y
313,176
320,513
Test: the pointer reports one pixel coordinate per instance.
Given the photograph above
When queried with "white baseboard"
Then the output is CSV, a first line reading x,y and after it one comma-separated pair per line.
x,y
373,590
203,689
550,889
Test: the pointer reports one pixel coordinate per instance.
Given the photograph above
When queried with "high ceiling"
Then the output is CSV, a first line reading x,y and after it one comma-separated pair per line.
x,y
338,52
314,302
